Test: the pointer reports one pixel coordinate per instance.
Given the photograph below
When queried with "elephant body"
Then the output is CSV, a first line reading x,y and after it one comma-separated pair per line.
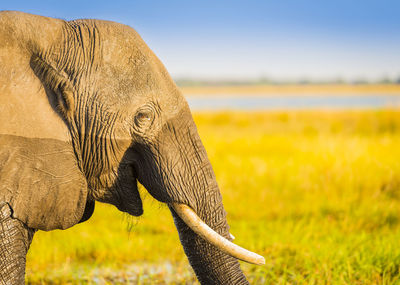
x,y
86,111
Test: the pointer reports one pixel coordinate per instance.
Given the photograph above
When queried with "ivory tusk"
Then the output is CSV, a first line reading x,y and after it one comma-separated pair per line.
x,y
232,236
202,229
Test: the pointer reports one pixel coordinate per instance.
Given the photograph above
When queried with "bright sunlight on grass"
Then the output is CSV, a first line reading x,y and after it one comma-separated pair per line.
x,y
317,193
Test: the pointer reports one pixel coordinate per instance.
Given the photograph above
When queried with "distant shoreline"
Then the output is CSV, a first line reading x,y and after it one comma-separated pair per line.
x,y
291,90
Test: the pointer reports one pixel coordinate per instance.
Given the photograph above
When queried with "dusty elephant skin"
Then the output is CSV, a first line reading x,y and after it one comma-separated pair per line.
x,y
86,111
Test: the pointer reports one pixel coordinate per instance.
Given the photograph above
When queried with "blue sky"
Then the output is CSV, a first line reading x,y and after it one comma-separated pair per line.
x,y
288,39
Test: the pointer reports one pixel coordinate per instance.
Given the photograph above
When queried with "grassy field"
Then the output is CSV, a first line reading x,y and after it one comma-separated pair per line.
x,y
316,193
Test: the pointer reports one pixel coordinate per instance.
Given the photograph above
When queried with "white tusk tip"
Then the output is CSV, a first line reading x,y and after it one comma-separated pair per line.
x,y
260,260
202,229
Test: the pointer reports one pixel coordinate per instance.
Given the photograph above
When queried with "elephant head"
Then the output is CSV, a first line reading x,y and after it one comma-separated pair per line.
x,y
87,110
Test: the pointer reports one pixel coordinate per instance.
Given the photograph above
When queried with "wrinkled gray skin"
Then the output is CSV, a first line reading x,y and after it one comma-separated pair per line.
x,y
86,111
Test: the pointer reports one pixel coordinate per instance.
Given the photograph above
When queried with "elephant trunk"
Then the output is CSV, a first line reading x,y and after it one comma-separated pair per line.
x,y
181,176
200,193
211,265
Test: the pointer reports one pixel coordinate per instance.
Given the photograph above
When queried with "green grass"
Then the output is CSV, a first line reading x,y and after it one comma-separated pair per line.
x,y
317,193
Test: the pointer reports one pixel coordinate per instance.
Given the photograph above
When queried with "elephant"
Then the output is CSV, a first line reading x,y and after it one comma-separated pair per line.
x,y
87,111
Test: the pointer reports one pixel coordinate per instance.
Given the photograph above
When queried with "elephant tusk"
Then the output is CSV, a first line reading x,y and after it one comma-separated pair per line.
x,y
202,229
232,236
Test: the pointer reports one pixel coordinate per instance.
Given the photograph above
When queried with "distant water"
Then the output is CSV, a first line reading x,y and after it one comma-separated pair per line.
x,y
293,102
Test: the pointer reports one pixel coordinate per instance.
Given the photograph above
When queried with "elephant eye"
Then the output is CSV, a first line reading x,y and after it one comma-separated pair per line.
x,y
144,118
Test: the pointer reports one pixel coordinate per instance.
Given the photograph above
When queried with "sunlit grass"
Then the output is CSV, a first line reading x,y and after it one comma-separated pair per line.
x,y
317,193
293,89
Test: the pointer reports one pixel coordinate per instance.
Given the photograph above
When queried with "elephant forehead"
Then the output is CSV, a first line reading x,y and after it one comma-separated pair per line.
x,y
131,69
126,79
126,92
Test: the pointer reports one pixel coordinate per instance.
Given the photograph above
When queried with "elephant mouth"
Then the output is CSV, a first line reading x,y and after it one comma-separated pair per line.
x,y
193,221
129,199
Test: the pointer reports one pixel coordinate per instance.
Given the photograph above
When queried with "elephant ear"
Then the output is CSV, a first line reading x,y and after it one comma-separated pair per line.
x,y
39,175
41,181
58,87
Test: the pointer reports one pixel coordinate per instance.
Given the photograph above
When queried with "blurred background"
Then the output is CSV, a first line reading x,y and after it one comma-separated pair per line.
x,y
297,103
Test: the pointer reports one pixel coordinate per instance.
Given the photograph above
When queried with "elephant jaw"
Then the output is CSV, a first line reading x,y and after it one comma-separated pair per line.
x,y
193,221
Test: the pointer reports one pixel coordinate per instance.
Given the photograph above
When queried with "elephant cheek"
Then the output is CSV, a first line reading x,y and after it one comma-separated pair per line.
x,y
122,192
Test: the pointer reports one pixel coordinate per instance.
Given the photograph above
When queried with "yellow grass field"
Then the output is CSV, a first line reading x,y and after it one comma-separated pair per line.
x,y
317,193
282,90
